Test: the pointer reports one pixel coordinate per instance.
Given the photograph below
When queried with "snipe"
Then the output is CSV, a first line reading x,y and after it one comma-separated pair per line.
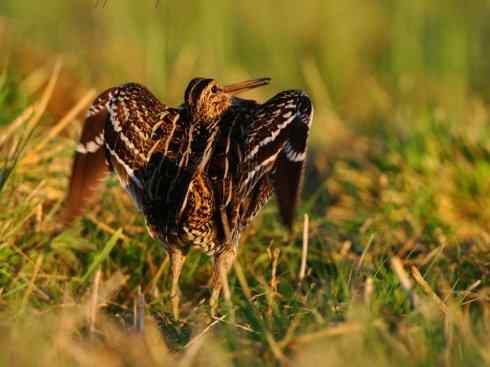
x,y
200,172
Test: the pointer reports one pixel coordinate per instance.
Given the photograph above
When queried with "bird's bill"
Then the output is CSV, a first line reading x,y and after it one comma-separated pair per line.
x,y
246,85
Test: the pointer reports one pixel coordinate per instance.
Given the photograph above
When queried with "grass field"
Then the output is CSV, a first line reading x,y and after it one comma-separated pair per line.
x,y
397,188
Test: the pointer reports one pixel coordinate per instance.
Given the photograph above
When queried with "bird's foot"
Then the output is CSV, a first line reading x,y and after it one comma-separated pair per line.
x,y
177,259
214,301
175,302
219,278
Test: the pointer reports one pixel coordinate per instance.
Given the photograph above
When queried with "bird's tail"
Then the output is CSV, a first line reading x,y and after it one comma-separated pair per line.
x,y
89,167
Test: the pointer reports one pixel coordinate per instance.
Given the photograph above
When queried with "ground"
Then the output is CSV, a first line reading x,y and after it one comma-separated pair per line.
x,y
395,210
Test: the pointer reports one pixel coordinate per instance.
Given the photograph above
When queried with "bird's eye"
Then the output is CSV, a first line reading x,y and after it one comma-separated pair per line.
x,y
215,89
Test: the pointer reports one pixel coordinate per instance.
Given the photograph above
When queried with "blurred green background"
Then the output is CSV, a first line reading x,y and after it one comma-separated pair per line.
x,y
377,52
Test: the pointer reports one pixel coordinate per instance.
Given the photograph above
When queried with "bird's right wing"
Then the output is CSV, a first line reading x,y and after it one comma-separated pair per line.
x,y
130,132
143,141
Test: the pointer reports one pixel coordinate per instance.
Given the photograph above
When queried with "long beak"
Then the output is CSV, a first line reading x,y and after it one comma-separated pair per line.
x,y
244,86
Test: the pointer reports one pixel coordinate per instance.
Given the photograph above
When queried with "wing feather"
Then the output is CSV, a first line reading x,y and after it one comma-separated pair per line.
x,y
143,139
276,147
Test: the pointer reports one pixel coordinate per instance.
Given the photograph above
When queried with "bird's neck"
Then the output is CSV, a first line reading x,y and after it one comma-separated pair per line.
x,y
204,123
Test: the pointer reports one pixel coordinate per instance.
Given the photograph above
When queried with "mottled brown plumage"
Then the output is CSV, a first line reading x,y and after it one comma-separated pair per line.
x,y
199,173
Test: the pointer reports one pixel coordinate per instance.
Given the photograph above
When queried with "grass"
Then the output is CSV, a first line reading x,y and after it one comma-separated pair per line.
x,y
397,188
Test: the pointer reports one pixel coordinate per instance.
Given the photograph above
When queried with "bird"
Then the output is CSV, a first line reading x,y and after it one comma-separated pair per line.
x,y
199,172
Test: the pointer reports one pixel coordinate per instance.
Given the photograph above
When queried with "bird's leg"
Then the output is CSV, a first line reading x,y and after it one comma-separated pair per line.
x,y
177,259
222,263
219,278
226,225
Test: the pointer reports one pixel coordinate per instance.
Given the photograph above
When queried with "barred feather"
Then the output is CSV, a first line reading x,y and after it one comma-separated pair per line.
x,y
200,172
276,147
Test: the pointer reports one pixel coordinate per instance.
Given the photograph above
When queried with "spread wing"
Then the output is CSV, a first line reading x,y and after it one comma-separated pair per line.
x,y
275,148
143,139
127,131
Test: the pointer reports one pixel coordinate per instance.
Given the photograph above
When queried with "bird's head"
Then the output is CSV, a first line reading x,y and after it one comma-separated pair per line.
x,y
207,100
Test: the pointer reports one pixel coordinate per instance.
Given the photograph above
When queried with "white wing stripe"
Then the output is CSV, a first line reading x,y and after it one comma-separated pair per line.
x,y
252,173
91,146
292,155
128,169
270,138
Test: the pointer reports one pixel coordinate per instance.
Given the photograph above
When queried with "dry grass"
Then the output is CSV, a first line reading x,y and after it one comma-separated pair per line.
x,y
391,264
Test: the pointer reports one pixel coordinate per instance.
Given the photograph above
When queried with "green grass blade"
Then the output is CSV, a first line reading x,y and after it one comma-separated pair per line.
x,y
102,255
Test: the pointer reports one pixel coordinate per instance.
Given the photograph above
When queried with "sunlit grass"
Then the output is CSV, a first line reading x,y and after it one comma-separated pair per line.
x,y
397,187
